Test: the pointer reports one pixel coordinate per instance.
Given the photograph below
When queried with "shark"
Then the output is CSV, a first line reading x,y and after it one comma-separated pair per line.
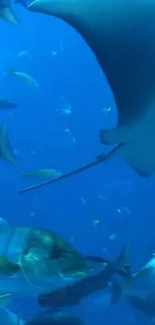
x,y
121,34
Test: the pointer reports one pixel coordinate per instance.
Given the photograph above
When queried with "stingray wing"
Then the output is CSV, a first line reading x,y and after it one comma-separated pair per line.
x,y
121,33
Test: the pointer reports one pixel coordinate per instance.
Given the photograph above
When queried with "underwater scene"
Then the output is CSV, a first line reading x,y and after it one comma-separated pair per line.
x,y
77,162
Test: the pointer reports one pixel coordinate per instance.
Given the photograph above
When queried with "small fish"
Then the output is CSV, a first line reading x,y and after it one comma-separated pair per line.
x,y
7,104
6,151
43,173
106,110
24,54
24,77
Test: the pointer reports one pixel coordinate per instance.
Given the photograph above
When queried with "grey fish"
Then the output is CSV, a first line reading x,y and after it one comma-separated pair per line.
x,y
121,33
7,104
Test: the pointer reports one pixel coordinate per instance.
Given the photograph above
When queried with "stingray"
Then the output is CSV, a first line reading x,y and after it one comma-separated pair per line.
x,y
121,34
6,12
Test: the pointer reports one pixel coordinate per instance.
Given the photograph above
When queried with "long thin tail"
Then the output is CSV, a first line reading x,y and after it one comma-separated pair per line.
x,y
98,161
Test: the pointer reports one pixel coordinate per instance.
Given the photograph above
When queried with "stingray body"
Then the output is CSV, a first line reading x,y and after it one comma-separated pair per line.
x,y
121,33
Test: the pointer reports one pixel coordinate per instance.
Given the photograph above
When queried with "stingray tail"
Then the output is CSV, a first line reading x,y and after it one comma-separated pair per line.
x,y
97,161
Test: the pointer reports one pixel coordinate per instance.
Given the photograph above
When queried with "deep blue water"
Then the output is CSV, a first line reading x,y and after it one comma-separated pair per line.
x,y
111,193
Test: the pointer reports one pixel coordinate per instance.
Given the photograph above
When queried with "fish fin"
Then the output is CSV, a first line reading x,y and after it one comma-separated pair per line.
x,y
5,299
6,151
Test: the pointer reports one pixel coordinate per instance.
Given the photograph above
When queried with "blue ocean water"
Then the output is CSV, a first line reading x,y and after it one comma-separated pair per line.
x,y
112,194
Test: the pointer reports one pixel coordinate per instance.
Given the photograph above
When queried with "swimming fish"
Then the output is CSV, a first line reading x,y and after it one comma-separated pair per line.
x,y
7,104
6,151
72,294
43,173
6,12
23,54
24,77
39,260
116,31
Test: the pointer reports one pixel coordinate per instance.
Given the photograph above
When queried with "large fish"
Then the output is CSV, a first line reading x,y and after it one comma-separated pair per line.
x,y
74,293
121,33
33,261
